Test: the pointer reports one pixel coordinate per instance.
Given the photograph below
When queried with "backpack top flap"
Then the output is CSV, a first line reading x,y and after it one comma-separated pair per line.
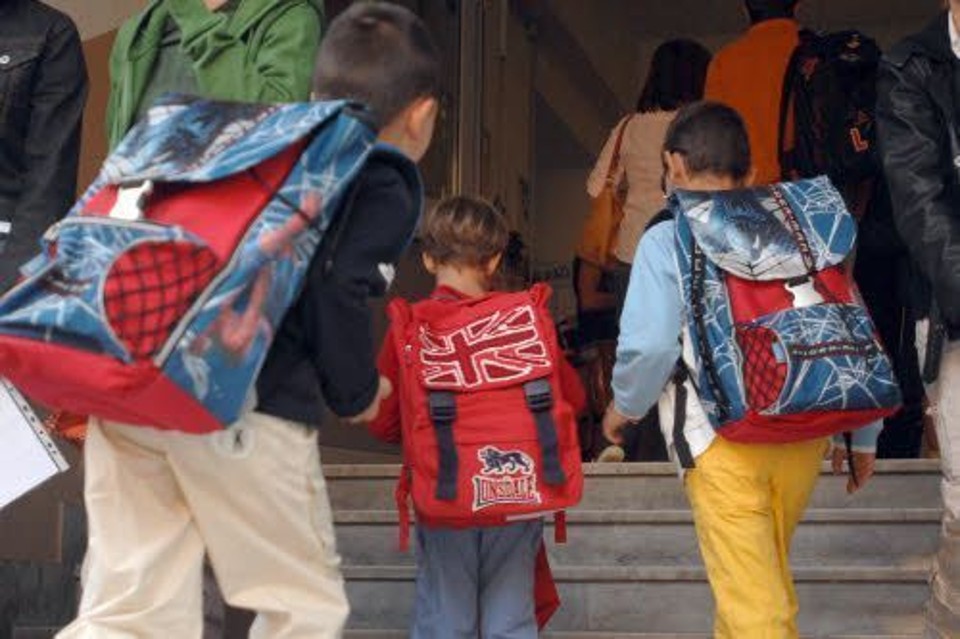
x,y
484,343
188,139
776,232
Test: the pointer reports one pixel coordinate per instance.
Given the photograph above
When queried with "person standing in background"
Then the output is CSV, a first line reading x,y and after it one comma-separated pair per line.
x,y
676,78
631,158
43,89
918,125
748,76
243,50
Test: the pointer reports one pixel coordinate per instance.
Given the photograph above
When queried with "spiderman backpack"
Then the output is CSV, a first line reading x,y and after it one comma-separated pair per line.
x,y
784,349
487,435
155,300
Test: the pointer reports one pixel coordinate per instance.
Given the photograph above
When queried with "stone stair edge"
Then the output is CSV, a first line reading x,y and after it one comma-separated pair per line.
x,y
627,574
649,469
402,634
48,632
673,516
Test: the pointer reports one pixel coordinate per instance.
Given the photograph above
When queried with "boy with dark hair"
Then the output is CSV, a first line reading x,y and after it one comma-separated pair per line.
x,y
747,499
253,496
477,581
748,75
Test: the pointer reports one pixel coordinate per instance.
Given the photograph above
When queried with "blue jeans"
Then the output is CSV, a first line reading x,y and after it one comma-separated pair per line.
x,y
476,582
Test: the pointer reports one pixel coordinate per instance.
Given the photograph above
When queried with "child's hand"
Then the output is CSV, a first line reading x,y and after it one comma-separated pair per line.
x,y
384,391
862,471
613,424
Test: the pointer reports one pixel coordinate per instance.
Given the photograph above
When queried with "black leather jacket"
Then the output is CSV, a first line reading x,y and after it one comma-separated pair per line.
x,y
43,87
918,117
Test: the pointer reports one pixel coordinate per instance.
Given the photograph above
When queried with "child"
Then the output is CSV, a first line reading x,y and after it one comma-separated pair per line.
x,y
254,496
475,581
747,499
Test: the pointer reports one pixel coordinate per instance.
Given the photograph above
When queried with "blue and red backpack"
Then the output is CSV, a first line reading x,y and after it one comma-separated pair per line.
x,y
785,350
155,301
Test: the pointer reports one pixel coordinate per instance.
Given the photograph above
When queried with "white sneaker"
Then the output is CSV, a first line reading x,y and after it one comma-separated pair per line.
x,y
611,455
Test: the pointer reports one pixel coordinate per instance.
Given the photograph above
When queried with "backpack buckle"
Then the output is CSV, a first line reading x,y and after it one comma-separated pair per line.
x,y
539,395
443,407
132,201
803,292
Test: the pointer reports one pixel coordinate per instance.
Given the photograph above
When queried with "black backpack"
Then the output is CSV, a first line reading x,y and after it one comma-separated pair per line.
x,y
830,89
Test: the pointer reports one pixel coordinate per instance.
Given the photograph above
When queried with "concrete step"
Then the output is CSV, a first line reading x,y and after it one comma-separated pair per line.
x,y
48,633
861,562
834,601
854,537
898,484
403,634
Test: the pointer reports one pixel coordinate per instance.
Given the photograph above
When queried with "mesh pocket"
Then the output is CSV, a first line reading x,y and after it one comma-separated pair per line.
x,y
150,287
763,375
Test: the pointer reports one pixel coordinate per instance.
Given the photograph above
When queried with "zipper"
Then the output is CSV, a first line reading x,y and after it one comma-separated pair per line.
x,y
54,231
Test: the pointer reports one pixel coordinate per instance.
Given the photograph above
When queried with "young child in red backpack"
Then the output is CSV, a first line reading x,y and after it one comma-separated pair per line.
x,y
475,581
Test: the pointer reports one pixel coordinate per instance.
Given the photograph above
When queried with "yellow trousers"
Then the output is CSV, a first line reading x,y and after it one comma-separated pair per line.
x,y
747,500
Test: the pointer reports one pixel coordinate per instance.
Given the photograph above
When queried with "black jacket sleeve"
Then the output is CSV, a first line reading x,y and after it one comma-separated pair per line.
x,y
915,141
337,318
52,144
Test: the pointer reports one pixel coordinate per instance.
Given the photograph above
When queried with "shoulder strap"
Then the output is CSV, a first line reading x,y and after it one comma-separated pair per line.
x,y
665,215
786,103
615,160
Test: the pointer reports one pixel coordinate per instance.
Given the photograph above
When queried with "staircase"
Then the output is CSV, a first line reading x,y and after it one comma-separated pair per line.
x,y
631,567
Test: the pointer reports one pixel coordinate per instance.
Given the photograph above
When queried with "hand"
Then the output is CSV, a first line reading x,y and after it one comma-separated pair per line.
x,y
215,5
383,391
863,467
613,425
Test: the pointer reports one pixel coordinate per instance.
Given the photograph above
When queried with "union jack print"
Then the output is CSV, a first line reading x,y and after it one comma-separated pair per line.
x,y
502,348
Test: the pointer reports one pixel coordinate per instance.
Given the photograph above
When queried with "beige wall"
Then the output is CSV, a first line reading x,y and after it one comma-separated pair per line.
x,y
96,17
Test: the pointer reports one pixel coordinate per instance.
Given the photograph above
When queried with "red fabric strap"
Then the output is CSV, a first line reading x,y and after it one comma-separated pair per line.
x,y
560,526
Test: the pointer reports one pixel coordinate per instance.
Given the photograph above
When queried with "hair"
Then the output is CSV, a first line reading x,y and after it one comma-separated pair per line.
x,y
712,138
464,231
762,10
379,54
678,72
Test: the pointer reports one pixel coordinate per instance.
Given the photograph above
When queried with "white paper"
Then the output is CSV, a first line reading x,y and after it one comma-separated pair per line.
x,y
28,456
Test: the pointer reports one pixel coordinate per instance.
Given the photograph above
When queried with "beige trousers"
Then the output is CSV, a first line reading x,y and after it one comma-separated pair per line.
x,y
943,610
253,497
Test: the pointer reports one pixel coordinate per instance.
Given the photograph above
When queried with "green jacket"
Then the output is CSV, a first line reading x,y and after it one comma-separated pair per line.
x,y
261,52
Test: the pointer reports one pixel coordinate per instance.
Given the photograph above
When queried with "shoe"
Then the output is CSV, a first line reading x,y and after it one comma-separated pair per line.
x,y
611,455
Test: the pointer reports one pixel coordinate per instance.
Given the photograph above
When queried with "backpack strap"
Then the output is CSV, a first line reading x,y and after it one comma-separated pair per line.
x,y
786,101
680,443
560,527
443,413
540,402
697,277
402,497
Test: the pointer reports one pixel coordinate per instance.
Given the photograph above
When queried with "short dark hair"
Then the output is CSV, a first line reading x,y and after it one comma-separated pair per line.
x,y
464,231
379,54
678,72
712,138
762,10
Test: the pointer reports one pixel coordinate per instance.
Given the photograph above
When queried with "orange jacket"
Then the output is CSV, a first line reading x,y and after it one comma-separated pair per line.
x,y
748,75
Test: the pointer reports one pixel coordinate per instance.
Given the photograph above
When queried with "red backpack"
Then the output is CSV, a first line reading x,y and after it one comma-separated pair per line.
x,y
487,435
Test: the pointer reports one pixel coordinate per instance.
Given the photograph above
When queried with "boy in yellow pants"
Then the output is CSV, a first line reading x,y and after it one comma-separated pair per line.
x,y
747,499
